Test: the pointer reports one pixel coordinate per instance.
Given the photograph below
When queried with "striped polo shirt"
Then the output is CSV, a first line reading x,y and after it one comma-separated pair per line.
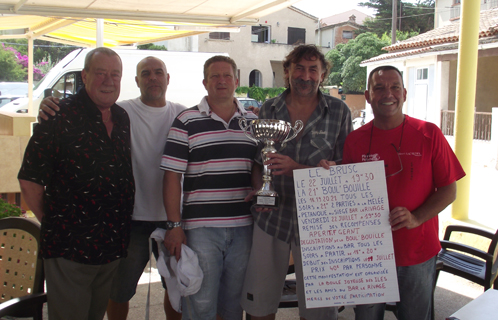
x,y
215,159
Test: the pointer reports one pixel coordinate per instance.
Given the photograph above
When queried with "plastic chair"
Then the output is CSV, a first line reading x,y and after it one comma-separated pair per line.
x,y
21,269
468,262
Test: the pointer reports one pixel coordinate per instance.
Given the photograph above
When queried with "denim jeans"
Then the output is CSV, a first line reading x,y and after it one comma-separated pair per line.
x,y
416,285
223,255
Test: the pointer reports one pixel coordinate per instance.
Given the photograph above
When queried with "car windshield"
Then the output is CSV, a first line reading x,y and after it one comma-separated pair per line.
x,y
249,103
13,89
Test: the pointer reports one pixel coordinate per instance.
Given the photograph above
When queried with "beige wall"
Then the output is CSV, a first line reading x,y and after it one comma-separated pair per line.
x,y
355,102
265,57
487,77
15,131
10,162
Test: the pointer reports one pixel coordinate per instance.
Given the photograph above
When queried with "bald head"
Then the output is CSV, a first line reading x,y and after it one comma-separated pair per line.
x,y
152,79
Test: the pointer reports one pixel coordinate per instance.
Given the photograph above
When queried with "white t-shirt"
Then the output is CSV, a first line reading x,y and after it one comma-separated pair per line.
x,y
149,131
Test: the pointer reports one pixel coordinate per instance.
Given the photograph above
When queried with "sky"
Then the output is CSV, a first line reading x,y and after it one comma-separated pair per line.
x,y
327,8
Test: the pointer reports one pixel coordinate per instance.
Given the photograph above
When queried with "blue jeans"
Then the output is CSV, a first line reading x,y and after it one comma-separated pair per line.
x,y
223,255
416,285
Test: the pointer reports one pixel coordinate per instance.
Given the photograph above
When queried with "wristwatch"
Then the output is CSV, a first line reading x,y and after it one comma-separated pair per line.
x,y
170,224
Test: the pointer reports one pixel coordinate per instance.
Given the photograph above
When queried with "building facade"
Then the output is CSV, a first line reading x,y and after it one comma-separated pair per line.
x,y
429,65
258,50
339,28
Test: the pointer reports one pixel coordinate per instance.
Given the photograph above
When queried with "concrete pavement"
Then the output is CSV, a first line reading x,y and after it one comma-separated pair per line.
x,y
452,292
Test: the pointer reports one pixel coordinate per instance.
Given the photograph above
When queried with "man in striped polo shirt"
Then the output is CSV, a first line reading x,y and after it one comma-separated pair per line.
x,y
207,148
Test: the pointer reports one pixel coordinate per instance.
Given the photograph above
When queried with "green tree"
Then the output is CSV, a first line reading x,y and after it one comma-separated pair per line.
x,y
151,46
417,17
400,36
346,59
42,50
10,70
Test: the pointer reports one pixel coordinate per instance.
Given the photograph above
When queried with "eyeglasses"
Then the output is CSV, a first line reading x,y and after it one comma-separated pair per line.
x,y
368,158
400,163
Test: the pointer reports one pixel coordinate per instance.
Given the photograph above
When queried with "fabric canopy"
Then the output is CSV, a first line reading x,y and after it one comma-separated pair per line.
x,y
83,32
92,23
128,21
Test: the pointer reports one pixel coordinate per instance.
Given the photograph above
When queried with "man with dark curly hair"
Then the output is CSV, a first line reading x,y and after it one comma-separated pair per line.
x,y
327,122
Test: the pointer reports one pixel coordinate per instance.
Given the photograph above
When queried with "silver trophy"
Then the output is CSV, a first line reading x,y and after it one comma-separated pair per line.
x,y
269,131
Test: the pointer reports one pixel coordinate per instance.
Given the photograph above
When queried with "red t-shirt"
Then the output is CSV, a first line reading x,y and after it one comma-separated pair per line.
x,y
425,161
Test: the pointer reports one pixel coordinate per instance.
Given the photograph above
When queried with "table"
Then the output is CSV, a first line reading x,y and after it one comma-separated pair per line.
x,y
484,307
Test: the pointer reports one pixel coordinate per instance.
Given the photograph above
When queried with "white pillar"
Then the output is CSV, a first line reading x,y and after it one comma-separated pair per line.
x,y
100,33
494,132
30,77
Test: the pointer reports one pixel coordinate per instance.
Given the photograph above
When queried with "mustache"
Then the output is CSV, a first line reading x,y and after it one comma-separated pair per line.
x,y
304,82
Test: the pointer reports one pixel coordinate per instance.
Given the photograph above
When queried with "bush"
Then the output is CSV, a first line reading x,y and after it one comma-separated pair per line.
x,y
9,210
259,94
10,70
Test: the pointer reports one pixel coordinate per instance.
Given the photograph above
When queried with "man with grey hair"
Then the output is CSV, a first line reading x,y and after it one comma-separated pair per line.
x,y
77,179
151,117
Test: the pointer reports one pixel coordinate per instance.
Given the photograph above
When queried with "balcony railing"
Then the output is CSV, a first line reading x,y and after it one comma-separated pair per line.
x,y
485,5
482,124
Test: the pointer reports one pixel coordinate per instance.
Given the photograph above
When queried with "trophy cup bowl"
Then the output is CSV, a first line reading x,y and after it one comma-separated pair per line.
x,y
269,132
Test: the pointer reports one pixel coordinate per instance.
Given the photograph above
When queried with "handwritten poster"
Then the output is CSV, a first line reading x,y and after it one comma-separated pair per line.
x,y
346,240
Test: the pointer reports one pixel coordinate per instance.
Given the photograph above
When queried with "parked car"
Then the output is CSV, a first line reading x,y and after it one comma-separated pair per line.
x,y
64,78
10,91
359,121
248,102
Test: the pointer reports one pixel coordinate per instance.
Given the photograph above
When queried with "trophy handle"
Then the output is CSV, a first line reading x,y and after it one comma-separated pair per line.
x,y
244,126
298,126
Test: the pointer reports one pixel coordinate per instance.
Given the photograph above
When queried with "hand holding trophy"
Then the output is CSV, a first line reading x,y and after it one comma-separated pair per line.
x,y
269,131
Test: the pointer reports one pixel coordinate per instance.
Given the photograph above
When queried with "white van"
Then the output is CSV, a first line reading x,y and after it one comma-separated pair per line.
x,y
10,91
185,70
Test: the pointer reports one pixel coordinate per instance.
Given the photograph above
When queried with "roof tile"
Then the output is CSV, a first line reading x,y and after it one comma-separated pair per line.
x,y
488,26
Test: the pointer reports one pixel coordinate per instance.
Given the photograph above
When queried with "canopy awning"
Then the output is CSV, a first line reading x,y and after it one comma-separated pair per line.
x,y
82,32
128,21
191,11
125,21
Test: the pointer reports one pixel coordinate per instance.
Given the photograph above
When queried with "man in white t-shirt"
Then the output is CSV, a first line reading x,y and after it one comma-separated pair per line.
x,y
151,117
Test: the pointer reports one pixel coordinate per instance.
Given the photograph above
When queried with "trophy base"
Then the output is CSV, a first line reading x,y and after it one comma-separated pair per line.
x,y
265,201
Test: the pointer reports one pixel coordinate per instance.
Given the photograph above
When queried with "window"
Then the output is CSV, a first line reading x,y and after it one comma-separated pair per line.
x,y
422,74
219,35
260,34
66,86
255,79
296,35
347,34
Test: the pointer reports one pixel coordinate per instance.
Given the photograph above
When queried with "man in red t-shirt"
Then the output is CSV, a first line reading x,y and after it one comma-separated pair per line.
x,y
421,174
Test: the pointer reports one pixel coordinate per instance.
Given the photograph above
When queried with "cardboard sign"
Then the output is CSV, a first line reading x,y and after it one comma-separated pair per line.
x,y
346,240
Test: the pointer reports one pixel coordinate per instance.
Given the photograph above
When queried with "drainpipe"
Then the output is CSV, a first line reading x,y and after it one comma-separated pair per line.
x,y
31,112
393,21
465,101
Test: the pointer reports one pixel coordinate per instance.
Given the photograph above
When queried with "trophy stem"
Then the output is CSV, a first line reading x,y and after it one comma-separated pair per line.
x,y
266,195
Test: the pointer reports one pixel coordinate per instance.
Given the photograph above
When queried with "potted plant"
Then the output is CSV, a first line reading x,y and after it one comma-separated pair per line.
x,y
9,210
